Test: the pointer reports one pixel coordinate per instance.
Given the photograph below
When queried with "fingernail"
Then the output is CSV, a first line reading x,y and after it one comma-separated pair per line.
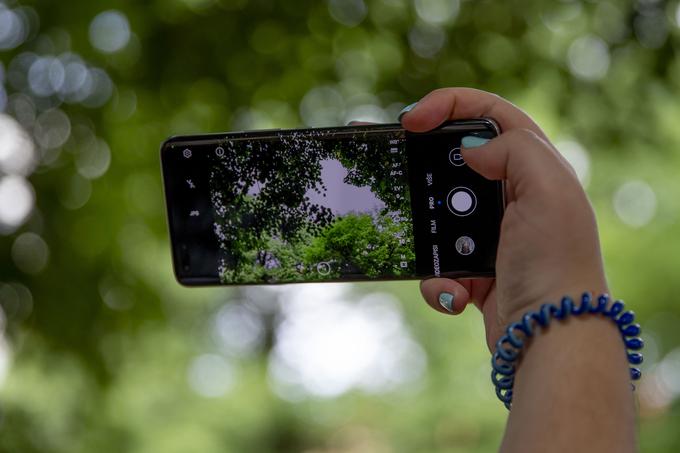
x,y
446,301
406,109
470,141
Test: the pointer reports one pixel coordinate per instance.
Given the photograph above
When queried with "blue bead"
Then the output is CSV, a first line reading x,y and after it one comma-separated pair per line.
x,y
506,398
513,339
634,343
523,327
634,358
635,374
616,308
509,355
504,383
506,369
602,301
546,313
585,304
566,305
626,318
632,330
552,309
536,316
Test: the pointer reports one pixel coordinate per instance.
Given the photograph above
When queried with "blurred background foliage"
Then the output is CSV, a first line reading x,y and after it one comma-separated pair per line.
x,y
100,349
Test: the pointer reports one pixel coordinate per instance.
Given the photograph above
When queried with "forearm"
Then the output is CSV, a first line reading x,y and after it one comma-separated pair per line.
x,y
572,391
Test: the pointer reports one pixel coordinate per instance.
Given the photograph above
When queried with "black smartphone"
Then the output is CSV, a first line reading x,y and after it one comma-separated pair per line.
x,y
370,202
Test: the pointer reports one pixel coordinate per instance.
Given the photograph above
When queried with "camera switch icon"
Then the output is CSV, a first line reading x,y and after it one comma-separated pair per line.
x,y
456,158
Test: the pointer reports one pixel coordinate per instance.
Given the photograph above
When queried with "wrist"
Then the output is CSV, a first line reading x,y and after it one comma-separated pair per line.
x,y
514,343
573,378
573,342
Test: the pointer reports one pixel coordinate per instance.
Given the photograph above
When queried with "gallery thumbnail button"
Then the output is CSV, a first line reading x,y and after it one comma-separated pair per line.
x,y
465,245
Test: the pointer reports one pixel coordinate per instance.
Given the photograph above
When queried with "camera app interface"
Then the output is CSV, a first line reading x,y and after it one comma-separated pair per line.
x,y
457,211
323,205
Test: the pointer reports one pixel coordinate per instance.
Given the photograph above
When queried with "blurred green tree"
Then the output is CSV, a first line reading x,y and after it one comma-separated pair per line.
x,y
102,351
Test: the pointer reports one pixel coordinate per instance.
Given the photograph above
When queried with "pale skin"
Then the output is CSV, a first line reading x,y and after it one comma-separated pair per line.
x,y
572,389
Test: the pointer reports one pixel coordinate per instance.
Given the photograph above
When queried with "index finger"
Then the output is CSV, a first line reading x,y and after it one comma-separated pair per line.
x,y
462,103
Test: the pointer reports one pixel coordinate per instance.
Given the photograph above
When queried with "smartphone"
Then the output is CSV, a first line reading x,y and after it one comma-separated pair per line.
x,y
370,202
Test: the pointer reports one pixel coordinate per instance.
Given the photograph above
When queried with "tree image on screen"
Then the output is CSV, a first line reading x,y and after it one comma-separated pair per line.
x,y
277,220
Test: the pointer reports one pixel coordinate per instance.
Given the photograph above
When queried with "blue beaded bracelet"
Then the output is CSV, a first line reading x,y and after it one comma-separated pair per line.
x,y
503,360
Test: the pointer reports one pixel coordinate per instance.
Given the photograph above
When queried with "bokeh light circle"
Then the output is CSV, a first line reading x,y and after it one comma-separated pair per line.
x,y
17,151
16,301
588,58
30,253
635,203
94,160
100,88
347,12
46,76
426,40
437,11
14,28
110,31
52,129
16,202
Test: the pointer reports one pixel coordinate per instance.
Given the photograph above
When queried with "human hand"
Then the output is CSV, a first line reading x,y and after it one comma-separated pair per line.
x,y
549,244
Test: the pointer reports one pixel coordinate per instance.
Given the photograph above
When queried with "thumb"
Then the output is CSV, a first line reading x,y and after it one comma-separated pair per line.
x,y
519,156
446,295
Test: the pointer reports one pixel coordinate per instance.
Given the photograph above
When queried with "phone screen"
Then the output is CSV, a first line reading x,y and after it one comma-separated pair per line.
x,y
353,203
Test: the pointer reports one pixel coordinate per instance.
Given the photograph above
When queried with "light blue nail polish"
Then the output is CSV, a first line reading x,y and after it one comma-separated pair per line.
x,y
446,301
406,109
470,141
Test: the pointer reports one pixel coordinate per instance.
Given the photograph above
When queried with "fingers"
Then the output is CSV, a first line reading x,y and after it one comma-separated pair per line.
x,y
446,295
520,156
461,103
